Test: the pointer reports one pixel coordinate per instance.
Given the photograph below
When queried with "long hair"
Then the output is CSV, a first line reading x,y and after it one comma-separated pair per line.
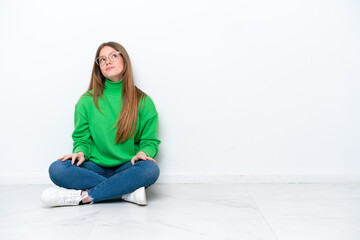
x,y
130,94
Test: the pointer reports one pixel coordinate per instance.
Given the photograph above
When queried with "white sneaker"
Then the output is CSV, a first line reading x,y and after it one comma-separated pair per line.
x,y
58,196
138,196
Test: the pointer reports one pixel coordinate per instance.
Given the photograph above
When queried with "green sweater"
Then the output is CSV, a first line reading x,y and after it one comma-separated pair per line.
x,y
94,132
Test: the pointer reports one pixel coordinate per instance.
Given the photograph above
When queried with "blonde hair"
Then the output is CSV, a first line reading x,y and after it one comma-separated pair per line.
x,y
130,94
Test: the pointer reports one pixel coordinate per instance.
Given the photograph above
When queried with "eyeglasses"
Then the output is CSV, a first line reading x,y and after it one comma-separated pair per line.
x,y
113,57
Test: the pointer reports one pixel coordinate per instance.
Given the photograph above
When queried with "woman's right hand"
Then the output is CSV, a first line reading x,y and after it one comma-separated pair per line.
x,y
80,156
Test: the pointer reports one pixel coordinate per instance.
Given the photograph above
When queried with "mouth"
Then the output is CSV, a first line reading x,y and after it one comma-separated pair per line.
x,y
109,68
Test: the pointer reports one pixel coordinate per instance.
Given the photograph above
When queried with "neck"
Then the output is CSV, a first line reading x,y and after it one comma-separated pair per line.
x,y
116,78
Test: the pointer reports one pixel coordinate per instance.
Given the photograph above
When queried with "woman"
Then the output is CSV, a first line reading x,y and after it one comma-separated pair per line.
x,y
111,158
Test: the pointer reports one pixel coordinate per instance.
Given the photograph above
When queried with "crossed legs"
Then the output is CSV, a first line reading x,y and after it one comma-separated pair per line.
x,y
102,183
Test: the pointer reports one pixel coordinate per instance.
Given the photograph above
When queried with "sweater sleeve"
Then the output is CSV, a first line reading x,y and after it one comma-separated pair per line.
x,y
149,143
81,135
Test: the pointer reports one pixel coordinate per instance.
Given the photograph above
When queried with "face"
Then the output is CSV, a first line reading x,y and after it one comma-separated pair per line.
x,y
111,64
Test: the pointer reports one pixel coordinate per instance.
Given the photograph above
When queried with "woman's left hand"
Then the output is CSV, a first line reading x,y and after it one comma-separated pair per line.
x,y
141,156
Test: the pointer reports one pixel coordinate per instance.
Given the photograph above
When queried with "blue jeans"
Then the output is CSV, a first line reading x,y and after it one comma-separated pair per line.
x,y
103,183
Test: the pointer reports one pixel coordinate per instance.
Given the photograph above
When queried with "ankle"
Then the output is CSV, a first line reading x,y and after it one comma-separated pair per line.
x,y
87,199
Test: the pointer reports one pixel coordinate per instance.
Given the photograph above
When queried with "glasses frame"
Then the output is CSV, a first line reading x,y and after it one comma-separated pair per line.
x,y
107,57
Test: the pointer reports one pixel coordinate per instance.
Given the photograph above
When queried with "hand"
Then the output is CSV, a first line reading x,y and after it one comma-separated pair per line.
x,y
79,156
141,156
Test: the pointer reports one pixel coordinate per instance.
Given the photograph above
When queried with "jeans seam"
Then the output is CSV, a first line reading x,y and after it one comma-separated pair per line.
x,y
103,170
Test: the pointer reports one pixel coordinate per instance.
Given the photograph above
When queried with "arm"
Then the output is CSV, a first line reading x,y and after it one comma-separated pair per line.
x,y
81,135
149,143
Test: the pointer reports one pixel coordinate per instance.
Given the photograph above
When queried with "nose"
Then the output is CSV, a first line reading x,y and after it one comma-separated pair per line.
x,y
107,60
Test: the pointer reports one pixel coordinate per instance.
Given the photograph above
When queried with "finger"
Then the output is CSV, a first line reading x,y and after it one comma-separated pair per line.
x,y
152,160
74,156
134,159
61,157
149,158
81,160
65,158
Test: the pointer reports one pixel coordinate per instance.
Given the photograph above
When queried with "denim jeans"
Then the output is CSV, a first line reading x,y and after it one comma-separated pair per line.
x,y
103,183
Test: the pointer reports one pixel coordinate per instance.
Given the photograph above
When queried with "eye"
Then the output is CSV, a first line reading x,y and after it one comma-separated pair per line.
x,y
115,55
102,59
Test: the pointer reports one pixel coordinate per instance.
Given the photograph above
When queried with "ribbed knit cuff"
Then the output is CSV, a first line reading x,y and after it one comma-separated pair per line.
x,y
84,150
149,151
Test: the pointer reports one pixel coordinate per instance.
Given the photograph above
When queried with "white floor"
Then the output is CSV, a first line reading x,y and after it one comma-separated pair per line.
x,y
191,211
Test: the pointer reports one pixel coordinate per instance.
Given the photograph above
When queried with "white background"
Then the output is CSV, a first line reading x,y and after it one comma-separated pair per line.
x,y
244,88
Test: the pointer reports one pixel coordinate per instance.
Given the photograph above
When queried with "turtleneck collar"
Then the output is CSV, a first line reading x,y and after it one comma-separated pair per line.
x,y
113,88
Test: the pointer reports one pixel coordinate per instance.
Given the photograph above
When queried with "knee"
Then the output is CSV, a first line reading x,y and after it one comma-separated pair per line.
x,y
152,171
56,170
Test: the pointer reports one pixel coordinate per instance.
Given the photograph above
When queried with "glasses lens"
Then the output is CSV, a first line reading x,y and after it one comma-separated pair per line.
x,y
114,56
100,60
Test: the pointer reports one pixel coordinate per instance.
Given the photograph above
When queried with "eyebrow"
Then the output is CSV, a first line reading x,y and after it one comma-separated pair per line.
x,y
108,54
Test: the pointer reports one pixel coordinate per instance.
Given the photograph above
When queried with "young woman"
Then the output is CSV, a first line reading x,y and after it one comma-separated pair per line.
x,y
115,138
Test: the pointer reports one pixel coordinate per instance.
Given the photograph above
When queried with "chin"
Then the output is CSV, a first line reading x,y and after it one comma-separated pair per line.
x,y
112,75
